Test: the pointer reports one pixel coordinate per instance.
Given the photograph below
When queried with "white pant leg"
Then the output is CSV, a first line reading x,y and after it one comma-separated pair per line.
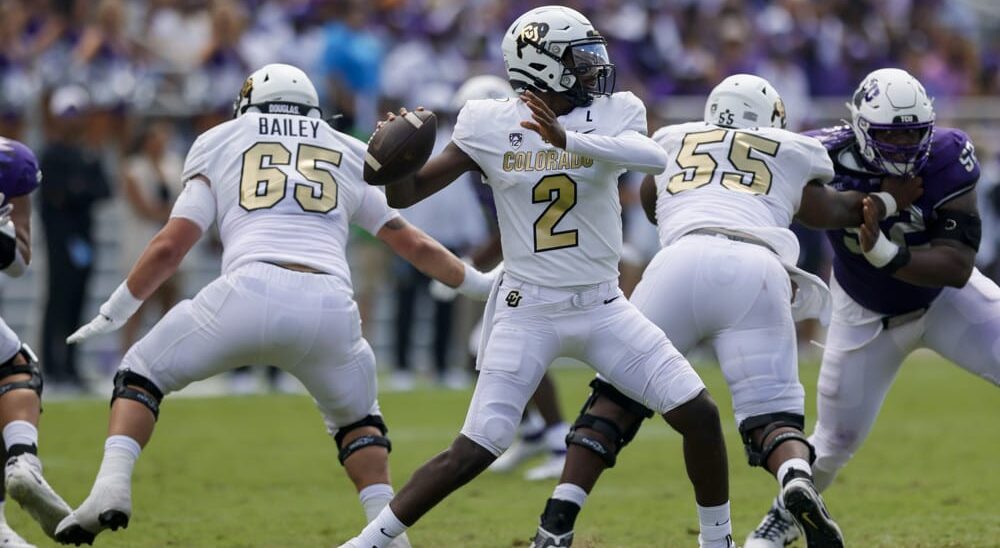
x,y
738,295
859,365
9,342
261,314
963,325
521,345
634,355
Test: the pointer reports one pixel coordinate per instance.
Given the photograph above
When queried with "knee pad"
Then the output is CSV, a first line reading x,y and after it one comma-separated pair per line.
x,y
8,368
363,441
125,379
606,389
616,438
757,455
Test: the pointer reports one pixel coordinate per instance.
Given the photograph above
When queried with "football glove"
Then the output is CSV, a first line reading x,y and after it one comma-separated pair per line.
x,y
119,307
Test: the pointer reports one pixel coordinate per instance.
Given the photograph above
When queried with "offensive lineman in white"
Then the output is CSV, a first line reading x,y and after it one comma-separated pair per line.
x,y
555,186
283,187
722,209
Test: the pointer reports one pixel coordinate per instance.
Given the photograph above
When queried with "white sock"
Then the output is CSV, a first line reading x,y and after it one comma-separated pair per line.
x,y
792,464
571,493
20,432
120,454
555,437
715,524
374,498
380,532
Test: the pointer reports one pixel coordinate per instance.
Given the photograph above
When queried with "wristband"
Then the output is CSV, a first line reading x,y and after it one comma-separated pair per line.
x,y
883,252
475,282
121,304
889,201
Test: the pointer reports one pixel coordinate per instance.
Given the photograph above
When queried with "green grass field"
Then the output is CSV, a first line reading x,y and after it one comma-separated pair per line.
x,y
261,471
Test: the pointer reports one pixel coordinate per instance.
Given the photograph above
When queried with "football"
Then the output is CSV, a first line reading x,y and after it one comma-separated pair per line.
x,y
400,147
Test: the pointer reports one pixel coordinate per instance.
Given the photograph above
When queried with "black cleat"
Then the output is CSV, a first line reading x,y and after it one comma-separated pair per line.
x,y
805,505
75,535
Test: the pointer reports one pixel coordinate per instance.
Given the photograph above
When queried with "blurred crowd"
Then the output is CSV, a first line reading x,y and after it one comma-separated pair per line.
x,y
110,93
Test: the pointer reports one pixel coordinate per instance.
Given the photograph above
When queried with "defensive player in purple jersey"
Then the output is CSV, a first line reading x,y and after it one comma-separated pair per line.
x,y
902,283
20,378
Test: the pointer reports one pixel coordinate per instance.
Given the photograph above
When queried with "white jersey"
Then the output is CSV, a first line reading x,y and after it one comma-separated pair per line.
x,y
559,212
746,180
286,187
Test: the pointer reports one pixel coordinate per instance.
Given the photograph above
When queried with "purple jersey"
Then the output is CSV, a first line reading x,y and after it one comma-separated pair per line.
x,y
19,173
951,170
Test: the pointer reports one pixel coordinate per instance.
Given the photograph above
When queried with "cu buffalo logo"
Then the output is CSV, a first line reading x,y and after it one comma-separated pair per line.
x,y
532,34
778,113
247,88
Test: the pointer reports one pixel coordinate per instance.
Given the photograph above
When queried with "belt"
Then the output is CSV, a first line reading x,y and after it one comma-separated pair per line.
x,y
732,235
896,320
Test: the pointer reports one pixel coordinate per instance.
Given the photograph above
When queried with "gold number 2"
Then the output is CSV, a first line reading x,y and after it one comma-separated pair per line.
x,y
704,165
560,190
263,184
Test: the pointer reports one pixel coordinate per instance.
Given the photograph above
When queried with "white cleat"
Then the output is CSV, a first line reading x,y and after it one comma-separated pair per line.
x,y
550,469
27,486
519,452
109,506
10,539
777,530
806,506
727,542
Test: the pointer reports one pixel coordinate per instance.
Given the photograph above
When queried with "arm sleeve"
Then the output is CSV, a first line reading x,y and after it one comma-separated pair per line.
x,y
196,203
373,212
629,149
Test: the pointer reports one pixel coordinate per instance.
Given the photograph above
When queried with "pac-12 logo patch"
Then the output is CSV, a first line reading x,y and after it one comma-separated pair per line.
x,y
513,299
516,139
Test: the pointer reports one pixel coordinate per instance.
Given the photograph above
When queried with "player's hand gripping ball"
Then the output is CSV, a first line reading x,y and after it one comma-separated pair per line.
x,y
400,146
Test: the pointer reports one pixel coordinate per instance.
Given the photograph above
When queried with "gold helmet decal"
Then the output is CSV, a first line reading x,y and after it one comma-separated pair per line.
x,y
779,113
531,34
247,88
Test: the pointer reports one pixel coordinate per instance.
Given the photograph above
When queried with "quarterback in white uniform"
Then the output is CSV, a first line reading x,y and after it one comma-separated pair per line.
x,y
726,273
553,158
283,187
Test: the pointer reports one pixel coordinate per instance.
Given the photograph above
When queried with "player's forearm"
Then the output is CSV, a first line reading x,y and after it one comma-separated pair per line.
x,y
435,261
630,149
157,264
939,266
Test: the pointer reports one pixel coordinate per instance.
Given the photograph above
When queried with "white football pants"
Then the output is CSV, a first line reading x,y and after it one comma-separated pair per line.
x,y
9,342
861,361
261,314
737,296
534,325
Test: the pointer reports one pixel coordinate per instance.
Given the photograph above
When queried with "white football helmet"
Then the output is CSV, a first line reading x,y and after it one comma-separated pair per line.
x,y
554,48
893,121
745,101
278,89
484,86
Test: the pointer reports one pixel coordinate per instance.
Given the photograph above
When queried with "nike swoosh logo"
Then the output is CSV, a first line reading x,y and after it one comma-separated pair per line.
x,y
723,523
805,516
611,300
382,530
591,130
